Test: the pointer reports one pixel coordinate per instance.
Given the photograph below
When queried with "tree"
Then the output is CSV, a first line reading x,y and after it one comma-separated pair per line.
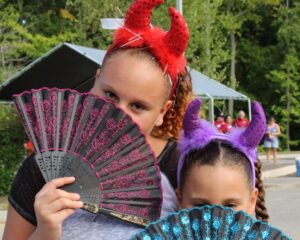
x,y
9,50
87,19
235,14
18,47
287,77
207,48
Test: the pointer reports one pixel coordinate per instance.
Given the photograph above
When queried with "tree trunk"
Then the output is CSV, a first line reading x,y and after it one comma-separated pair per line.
x,y
288,107
208,40
20,5
3,61
2,56
232,68
288,93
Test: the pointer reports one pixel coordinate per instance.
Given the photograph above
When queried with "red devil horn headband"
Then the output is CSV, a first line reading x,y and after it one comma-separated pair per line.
x,y
178,36
167,47
139,14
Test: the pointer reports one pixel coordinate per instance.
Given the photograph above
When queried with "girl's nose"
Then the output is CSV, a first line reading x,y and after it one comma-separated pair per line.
x,y
123,106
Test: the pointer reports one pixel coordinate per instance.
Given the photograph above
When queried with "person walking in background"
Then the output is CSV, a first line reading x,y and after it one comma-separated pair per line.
x,y
271,141
241,121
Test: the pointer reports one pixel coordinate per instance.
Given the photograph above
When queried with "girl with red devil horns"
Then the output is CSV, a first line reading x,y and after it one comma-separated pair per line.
x,y
144,73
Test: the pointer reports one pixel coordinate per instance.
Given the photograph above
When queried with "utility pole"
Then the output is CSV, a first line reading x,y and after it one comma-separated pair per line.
x,y
114,23
179,6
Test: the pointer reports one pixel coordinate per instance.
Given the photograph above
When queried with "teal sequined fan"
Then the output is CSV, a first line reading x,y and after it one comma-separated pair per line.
x,y
209,223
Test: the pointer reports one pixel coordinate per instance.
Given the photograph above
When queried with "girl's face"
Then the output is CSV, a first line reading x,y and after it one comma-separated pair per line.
x,y
136,85
217,185
271,121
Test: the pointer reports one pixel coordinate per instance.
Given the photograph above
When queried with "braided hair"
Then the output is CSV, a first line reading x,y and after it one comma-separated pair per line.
x,y
260,208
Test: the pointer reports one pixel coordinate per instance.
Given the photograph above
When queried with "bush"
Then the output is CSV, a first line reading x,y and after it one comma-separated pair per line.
x,y
12,138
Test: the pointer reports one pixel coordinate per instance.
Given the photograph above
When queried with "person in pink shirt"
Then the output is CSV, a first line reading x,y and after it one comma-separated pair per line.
x,y
241,121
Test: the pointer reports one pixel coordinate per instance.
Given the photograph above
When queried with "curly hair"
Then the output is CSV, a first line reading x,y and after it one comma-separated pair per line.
x,y
172,122
260,208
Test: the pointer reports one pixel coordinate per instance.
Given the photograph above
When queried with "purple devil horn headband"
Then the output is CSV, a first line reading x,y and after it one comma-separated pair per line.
x,y
198,133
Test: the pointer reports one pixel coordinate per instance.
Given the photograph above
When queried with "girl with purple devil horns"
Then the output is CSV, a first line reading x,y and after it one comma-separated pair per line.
x,y
216,168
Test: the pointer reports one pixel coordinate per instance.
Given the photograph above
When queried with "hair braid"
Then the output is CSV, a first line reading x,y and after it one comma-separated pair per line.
x,y
260,208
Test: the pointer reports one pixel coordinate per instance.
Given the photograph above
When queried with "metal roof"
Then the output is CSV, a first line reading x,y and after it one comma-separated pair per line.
x,y
209,88
72,66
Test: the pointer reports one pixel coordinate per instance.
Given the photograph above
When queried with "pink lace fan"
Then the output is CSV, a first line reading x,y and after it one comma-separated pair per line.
x,y
87,137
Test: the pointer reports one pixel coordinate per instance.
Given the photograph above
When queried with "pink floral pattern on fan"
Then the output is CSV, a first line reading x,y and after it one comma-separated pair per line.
x,y
116,126
143,194
94,136
132,159
145,212
132,179
47,112
53,99
37,127
69,103
93,122
76,124
125,140
62,128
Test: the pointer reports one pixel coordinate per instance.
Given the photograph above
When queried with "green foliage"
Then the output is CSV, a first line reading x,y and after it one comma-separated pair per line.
x,y
18,45
287,77
207,48
11,146
268,65
87,19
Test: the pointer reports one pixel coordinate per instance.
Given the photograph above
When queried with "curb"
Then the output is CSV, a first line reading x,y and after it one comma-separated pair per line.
x,y
2,222
3,216
279,172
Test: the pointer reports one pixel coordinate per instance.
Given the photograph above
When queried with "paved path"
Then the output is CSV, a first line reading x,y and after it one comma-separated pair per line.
x,y
283,203
2,221
284,166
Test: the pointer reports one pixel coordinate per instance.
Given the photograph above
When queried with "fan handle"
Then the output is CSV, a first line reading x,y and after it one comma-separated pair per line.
x,y
94,208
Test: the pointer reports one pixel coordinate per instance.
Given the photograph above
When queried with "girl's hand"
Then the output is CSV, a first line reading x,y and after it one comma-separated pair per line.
x,y
271,136
52,206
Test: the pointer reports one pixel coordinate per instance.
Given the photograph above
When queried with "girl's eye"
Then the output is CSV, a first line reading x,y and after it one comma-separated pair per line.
x,y
230,205
110,95
138,107
201,204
